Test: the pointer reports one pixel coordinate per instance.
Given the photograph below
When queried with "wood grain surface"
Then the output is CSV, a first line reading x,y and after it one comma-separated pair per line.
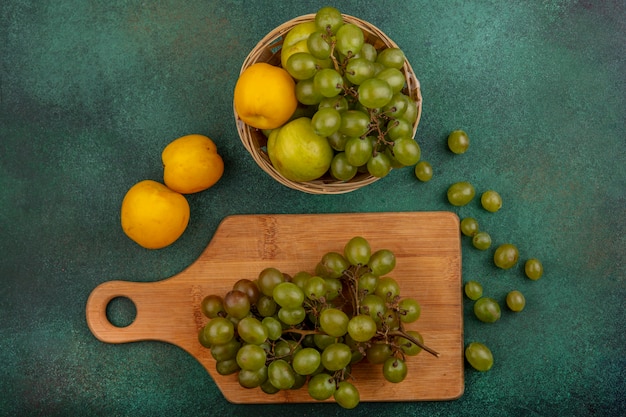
x,y
427,247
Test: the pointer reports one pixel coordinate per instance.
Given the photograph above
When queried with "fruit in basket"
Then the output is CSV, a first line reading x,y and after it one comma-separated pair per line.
x,y
297,152
328,19
296,41
350,39
265,96
153,215
350,89
191,164
364,321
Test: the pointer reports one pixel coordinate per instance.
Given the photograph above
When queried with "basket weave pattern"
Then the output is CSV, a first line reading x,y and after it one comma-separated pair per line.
x,y
268,50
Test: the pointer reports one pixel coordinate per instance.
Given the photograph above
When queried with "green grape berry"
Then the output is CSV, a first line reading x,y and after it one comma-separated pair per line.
x,y
317,45
378,353
382,262
506,256
350,39
374,305
394,78
354,123
326,121
361,328
379,165
424,171
328,82
292,316
358,151
218,331
359,70
461,193
491,201
406,151
307,93
357,251
408,346
469,226
473,290
288,295
251,357
268,279
322,386
252,379
274,328
332,265
369,52
533,269
396,107
328,19
481,240
487,310
515,300
301,65
387,289
479,356
334,322
391,58
306,361
458,141
314,288
374,93
251,330
281,374
212,306
336,356
347,395
395,370
341,168
409,310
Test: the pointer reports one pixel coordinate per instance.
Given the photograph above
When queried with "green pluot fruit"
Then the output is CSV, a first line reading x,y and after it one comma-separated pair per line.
x,y
297,152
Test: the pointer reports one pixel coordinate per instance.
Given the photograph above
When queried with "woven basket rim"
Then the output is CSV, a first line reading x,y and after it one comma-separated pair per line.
x,y
273,40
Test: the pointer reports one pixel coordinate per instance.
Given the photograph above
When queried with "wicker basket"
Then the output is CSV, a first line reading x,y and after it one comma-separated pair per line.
x,y
268,50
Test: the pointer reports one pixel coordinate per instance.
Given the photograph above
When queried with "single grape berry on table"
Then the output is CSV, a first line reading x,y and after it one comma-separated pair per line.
x,y
515,300
473,290
461,193
533,269
469,226
506,256
491,201
481,240
458,141
487,310
479,356
424,171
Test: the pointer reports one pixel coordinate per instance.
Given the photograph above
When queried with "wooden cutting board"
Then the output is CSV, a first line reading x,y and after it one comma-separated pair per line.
x,y
428,252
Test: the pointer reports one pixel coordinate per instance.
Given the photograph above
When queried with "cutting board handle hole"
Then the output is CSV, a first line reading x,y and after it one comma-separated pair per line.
x,y
121,311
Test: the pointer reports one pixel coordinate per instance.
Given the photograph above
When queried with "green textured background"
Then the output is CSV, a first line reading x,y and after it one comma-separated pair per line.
x,y
92,90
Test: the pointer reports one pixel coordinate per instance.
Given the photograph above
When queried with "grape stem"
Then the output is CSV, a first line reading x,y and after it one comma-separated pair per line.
x,y
375,126
302,332
415,341
332,44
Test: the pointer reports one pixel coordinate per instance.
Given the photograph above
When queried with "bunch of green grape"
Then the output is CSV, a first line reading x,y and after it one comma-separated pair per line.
x,y
358,98
281,332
